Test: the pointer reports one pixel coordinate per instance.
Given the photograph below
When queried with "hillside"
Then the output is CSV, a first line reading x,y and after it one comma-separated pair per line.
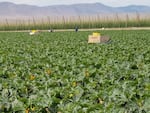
x,y
8,9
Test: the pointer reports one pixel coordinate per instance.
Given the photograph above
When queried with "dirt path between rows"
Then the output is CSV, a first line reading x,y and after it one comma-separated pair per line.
x,y
93,29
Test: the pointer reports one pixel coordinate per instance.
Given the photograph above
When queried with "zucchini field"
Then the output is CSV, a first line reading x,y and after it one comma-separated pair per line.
x,y
60,72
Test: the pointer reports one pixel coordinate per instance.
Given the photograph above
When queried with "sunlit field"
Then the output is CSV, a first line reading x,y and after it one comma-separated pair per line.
x,y
60,72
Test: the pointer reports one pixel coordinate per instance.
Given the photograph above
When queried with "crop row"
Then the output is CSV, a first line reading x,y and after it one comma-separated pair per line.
x,y
61,73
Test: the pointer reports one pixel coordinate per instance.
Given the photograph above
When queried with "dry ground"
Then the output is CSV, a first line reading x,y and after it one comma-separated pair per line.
x,y
94,29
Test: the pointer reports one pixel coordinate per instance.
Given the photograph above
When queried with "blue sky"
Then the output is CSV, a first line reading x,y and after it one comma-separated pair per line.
x,y
114,3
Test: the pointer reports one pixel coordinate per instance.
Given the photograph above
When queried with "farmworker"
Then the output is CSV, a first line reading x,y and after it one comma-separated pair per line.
x,y
51,30
76,29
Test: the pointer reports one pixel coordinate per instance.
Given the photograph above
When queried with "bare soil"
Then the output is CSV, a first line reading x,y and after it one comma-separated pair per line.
x,y
93,29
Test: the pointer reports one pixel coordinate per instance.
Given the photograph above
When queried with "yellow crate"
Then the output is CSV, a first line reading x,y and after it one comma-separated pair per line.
x,y
96,34
33,31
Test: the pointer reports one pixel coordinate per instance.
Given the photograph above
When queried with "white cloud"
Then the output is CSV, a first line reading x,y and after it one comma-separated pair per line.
x,y
106,2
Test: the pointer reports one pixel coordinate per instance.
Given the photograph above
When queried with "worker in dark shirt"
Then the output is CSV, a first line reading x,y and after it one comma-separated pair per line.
x,y
76,29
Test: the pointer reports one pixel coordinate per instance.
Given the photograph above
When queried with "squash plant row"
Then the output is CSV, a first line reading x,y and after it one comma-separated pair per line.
x,y
61,73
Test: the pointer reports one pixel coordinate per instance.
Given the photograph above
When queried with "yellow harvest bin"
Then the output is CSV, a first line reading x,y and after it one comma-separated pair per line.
x,y
96,35
33,31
